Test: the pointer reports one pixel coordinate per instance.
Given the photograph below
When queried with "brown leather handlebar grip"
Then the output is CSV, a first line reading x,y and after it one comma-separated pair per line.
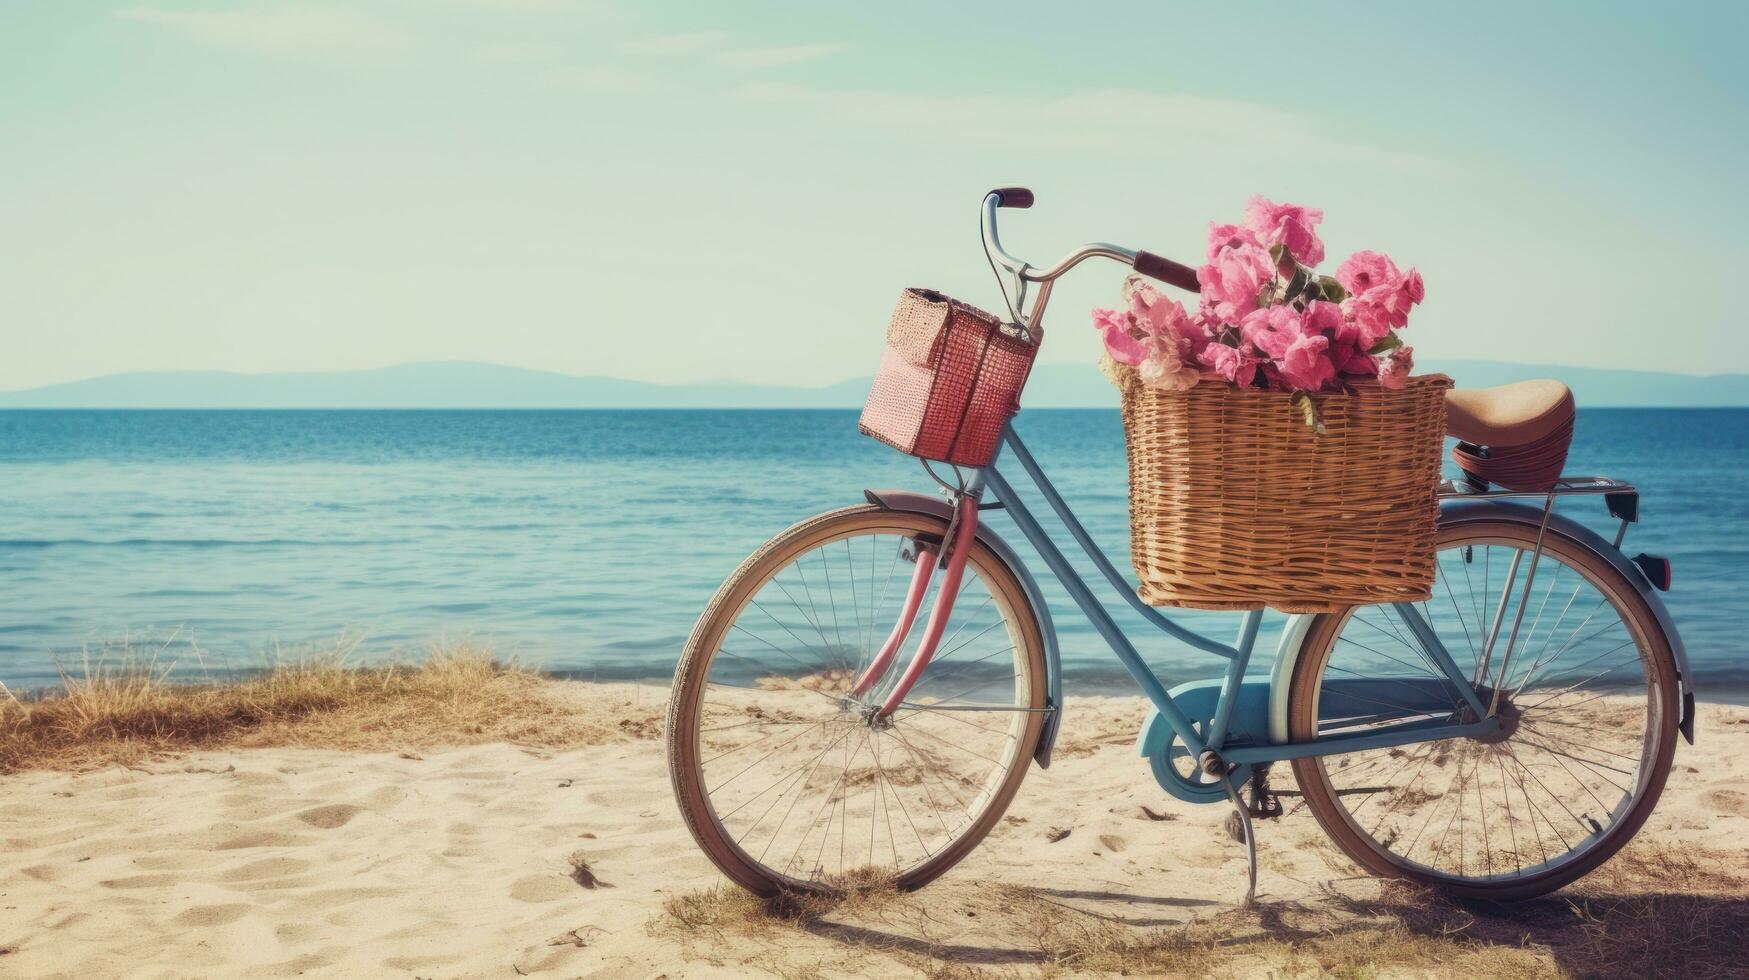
x,y
1013,197
1167,271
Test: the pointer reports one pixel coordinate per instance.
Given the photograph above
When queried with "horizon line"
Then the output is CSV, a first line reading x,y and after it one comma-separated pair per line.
x,y
702,382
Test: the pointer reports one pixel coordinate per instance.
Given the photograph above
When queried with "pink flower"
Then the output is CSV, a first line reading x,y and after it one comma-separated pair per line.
x,y
1230,236
1231,363
1322,315
1273,330
1380,295
1352,361
1306,366
1362,324
1164,370
1364,270
1287,224
1114,328
1232,279
1395,299
1164,318
1414,290
1394,372
1368,322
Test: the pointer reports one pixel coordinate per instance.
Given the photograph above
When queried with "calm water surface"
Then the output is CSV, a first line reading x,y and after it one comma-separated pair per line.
x,y
587,541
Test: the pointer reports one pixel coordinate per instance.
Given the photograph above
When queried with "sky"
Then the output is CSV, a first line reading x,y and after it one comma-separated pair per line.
x,y
677,192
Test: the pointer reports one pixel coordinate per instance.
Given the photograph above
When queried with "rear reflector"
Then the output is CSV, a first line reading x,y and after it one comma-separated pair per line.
x,y
1657,570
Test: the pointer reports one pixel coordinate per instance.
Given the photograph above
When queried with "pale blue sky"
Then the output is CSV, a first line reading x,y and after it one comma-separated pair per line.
x,y
673,192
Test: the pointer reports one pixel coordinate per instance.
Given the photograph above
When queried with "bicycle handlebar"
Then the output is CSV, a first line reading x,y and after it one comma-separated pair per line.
x,y
1153,266
1167,271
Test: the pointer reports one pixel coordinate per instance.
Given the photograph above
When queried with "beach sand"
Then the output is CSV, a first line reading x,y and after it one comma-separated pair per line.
x,y
459,862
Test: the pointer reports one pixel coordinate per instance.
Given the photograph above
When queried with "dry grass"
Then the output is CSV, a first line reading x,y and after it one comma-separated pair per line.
x,y
726,908
127,710
1652,912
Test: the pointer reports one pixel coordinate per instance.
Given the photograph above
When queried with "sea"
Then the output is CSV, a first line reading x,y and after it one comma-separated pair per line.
x,y
585,543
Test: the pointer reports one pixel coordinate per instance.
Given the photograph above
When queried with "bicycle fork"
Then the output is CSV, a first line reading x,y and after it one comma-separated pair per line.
x,y
956,546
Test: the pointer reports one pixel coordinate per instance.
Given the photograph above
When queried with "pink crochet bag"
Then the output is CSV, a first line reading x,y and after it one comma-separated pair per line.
x,y
950,379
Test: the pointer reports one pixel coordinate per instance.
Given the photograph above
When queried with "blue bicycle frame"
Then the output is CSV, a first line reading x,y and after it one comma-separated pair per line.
x,y
1435,696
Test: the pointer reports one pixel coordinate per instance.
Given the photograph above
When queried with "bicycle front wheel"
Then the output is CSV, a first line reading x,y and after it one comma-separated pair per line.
x,y
1588,702
791,781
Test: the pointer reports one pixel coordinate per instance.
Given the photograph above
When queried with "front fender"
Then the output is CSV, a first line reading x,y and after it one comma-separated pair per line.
x,y
1459,512
910,502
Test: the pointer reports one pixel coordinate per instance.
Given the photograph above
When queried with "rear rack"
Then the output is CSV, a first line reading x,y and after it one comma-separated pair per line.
x,y
1565,486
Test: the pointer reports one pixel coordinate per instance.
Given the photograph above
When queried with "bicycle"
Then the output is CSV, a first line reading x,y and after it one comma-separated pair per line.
x,y
803,757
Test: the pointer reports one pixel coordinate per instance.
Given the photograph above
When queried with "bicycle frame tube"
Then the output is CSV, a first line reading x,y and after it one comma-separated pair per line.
x,y
1405,733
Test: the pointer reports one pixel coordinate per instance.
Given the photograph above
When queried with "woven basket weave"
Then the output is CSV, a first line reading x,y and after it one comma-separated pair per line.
x,y
1235,503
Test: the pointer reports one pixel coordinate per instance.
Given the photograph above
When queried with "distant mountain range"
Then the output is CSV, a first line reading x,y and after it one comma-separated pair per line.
x,y
474,385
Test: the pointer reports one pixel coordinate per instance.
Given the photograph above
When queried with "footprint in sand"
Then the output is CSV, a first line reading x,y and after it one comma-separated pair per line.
x,y
542,888
174,861
211,915
141,881
1113,842
264,838
68,921
330,816
42,872
265,869
386,796
1729,802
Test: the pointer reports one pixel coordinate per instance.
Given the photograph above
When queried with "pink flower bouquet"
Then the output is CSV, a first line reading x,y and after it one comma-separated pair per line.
x,y
1266,318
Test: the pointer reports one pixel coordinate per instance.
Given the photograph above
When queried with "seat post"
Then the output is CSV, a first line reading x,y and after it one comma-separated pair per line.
x,y
1477,484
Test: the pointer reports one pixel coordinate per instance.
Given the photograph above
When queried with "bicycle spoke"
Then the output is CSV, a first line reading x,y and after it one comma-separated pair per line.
x,y
793,765
1574,725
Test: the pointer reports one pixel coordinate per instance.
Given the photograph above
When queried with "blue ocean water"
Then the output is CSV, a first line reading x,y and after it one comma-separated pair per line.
x,y
587,541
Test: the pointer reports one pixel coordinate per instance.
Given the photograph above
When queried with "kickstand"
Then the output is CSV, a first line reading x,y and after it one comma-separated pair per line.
x,y
1250,839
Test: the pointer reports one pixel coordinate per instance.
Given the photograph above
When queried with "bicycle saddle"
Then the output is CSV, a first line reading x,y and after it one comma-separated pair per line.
x,y
1515,435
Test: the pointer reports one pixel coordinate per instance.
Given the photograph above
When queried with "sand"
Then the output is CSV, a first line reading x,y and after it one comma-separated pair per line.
x,y
458,863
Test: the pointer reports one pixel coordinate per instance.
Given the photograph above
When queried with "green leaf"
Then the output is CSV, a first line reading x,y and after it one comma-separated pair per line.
x,y
1390,343
1308,406
1332,289
1297,285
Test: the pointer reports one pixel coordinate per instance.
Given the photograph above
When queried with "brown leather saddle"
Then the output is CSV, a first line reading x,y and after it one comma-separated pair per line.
x,y
1513,436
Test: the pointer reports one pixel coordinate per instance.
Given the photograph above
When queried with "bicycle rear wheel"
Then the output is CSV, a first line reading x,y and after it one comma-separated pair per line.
x,y
1589,700
787,779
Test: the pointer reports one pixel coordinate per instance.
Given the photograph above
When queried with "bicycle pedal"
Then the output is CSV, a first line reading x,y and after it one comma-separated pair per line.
x,y
1267,806
1262,802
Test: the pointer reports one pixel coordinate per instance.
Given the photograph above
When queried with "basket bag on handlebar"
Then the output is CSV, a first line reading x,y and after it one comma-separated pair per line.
x,y
1236,503
949,380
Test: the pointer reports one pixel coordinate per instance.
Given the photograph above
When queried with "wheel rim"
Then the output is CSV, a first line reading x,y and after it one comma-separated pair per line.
x,y
800,779
1583,711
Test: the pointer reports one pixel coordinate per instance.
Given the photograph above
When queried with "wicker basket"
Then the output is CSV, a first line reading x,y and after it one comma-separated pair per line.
x,y
950,379
1235,503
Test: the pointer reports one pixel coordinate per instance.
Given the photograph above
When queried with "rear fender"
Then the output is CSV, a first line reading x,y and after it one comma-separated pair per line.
x,y
906,501
1459,512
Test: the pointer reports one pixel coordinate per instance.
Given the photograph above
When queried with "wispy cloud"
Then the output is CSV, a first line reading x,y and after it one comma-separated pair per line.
x,y
673,45
334,34
523,53
777,57
1148,123
603,79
